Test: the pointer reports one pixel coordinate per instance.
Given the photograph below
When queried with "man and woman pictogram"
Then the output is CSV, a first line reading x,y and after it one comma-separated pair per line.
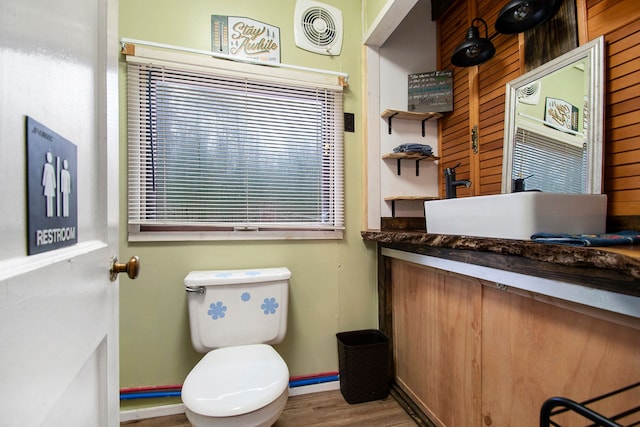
x,y
56,185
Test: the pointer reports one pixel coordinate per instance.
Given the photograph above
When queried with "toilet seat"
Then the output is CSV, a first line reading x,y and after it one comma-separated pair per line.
x,y
232,381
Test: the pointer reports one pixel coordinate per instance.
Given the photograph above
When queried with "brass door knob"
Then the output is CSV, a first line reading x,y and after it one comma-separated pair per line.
x,y
132,268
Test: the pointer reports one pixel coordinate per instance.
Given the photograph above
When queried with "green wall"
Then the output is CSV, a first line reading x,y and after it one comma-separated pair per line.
x,y
370,11
569,84
333,287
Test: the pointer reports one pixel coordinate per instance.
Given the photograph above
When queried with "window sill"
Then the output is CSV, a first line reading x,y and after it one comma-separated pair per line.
x,y
183,236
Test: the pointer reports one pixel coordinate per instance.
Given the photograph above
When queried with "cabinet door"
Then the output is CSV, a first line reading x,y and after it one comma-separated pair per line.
x,y
436,335
533,350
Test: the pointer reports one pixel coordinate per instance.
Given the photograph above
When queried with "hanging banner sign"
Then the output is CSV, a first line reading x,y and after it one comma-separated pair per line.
x,y
52,171
245,38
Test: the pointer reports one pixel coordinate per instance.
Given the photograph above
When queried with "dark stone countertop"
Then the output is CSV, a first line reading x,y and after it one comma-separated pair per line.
x,y
615,269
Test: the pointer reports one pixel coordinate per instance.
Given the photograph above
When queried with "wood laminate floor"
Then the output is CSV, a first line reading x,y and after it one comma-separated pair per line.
x,y
327,409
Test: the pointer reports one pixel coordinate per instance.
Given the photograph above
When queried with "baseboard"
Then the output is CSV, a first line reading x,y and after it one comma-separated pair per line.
x,y
314,388
415,412
151,412
166,410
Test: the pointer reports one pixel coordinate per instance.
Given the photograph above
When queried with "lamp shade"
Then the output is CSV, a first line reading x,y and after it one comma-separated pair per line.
x,y
473,50
518,16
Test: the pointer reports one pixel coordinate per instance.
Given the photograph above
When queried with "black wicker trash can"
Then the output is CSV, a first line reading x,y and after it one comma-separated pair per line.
x,y
363,358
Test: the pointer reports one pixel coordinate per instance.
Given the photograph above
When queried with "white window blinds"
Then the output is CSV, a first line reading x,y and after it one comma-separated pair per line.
x,y
548,164
219,152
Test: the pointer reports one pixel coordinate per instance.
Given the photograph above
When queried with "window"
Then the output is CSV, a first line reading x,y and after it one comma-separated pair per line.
x,y
553,166
225,155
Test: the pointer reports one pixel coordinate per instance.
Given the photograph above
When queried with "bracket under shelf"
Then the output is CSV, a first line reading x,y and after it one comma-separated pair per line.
x,y
410,156
394,199
409,115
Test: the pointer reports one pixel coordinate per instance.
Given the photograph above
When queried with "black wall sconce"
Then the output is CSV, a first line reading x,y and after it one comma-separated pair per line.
x,y
515,17
474,50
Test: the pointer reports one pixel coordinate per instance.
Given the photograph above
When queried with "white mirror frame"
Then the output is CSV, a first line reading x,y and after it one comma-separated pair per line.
x,y
594,53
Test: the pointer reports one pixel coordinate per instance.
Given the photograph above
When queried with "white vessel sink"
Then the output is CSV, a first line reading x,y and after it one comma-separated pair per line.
x,y
518,215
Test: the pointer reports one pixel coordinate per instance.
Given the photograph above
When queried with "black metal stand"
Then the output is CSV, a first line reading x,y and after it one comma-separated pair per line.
x,y
548,409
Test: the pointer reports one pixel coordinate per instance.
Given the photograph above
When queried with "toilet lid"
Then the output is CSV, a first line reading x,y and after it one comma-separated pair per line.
x,y
235,380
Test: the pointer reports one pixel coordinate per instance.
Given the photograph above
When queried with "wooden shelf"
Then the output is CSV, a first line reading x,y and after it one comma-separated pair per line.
x,y
409,115
409,156
417,157
394,199
423,198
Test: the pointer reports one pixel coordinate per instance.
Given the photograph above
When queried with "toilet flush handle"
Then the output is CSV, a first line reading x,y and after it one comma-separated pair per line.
x,y
200,290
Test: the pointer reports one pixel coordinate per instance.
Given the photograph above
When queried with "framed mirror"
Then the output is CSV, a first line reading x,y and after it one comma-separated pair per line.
x,y
554,124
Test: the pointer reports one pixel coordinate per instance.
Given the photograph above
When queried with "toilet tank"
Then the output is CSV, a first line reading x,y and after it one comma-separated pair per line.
x,y
237,307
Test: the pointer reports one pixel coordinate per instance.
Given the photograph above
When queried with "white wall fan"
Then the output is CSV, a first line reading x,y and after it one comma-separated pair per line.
x,y
530,94
318,27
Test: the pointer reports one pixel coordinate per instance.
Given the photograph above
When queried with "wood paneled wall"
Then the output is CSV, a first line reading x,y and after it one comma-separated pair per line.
x,y
619,22
454,126
493,77
479,96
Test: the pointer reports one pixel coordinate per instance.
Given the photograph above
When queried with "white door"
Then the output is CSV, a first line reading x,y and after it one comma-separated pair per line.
x,y
58,308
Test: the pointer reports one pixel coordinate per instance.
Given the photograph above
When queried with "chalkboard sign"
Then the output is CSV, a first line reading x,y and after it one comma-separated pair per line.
x,y
431,92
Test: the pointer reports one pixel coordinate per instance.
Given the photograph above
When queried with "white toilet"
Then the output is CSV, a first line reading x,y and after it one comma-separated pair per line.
x,y
233,316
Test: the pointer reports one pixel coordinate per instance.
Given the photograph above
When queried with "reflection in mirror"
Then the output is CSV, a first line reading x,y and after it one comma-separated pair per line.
x,y
554,125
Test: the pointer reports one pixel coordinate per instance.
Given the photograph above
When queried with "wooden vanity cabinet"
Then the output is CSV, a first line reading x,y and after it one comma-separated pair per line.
x,y
436,346
470,354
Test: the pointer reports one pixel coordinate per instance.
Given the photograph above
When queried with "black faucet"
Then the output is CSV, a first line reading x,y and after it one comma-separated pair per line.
x,y
519,184
451,183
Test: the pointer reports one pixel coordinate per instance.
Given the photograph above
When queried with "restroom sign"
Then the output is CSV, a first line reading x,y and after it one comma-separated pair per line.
x,y
52,173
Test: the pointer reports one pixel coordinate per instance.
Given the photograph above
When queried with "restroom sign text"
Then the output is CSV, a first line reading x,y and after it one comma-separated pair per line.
x,y
52,174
